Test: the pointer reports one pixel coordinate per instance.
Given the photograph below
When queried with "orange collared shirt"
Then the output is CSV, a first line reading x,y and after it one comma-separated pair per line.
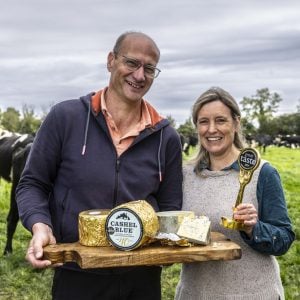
x,y
122,143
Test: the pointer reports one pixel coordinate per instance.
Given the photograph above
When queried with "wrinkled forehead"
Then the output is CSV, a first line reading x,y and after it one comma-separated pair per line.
x,y
140,43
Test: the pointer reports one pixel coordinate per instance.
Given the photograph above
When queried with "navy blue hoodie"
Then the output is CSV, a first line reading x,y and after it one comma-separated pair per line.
x,y
59,182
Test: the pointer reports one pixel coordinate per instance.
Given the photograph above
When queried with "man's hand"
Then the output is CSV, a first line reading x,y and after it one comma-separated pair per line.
x,y
41,236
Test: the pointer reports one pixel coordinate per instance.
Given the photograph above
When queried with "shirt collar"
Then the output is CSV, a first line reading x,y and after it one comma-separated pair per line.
x,y
150,116
234,166
145,117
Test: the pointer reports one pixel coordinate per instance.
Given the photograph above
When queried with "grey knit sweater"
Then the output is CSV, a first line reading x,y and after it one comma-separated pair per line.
x,y
255,276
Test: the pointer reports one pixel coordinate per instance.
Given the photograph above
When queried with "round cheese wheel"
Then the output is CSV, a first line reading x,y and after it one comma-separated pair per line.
x,y
91,226
131,225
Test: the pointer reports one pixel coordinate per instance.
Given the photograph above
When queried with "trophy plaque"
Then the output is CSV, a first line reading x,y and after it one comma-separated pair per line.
x,y
248,160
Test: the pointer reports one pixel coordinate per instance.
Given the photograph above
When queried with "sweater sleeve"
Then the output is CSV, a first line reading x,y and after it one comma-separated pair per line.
x,y
273,232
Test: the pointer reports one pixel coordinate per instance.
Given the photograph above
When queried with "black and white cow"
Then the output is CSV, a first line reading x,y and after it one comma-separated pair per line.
x,y
184,141
260,140
290,141
188,141
14,149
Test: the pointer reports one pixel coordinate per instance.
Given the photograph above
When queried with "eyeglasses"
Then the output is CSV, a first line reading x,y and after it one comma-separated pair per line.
x,y
134,64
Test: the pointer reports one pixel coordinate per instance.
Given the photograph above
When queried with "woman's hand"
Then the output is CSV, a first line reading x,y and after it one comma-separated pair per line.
x,y
247,214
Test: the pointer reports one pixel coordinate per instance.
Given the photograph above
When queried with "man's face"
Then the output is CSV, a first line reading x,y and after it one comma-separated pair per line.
x,y
127,84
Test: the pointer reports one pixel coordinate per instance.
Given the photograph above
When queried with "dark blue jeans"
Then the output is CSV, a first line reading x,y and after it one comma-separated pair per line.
x,y
135,284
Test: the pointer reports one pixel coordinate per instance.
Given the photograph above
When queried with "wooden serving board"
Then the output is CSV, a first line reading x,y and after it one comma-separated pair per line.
x,y
220,248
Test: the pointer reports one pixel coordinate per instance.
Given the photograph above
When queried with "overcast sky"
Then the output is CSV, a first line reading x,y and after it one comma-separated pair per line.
x,y
54,50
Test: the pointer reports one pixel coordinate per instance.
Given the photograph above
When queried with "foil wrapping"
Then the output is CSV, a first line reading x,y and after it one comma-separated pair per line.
x,y
91,224
147,218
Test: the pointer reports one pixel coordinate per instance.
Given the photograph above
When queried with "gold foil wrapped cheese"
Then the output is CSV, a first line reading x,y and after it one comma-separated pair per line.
x,y
131,225
92,227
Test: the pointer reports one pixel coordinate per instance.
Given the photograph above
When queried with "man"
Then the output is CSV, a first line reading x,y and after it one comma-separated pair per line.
x,y
99,151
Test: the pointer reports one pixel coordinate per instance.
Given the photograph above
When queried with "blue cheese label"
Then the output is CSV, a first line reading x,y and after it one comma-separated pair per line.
x,y
124,229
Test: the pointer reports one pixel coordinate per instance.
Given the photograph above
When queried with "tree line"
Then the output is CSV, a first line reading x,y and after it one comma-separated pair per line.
x,y
258,116
14,121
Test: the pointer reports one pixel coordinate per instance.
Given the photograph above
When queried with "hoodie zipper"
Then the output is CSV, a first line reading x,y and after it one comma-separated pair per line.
x,y
116,181
115,200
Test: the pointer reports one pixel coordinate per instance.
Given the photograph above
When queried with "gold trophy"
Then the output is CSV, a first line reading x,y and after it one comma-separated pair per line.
x,y
249,160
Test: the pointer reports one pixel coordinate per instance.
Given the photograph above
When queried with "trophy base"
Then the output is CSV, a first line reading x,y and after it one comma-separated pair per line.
x,y
232,224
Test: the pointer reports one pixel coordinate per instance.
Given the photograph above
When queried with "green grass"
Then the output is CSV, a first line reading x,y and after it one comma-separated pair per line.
x,y
19,281
287,162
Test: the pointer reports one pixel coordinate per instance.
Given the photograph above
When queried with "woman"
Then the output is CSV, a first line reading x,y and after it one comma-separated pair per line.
x,y
211,187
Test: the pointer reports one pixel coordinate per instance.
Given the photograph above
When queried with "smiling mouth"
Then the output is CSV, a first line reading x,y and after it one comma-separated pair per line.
x,y
134,85
214,139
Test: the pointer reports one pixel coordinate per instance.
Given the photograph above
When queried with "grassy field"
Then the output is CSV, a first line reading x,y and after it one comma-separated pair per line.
x,y
18,281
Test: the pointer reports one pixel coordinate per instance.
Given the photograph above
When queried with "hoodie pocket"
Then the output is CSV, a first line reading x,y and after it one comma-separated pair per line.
x,y
74,202
64,218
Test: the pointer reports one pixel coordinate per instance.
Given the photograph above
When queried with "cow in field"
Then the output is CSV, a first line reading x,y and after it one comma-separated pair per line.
x,y
184,141
260,140
14,149
188,141
290,141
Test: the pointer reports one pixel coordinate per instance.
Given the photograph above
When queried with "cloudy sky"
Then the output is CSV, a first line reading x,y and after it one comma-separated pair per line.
x,y
53,50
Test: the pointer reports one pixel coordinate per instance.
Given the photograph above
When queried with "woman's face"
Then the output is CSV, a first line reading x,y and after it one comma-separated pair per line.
x,y
216,128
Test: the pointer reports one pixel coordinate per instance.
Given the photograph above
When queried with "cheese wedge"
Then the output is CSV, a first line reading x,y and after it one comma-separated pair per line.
x,y
196,230
169,221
